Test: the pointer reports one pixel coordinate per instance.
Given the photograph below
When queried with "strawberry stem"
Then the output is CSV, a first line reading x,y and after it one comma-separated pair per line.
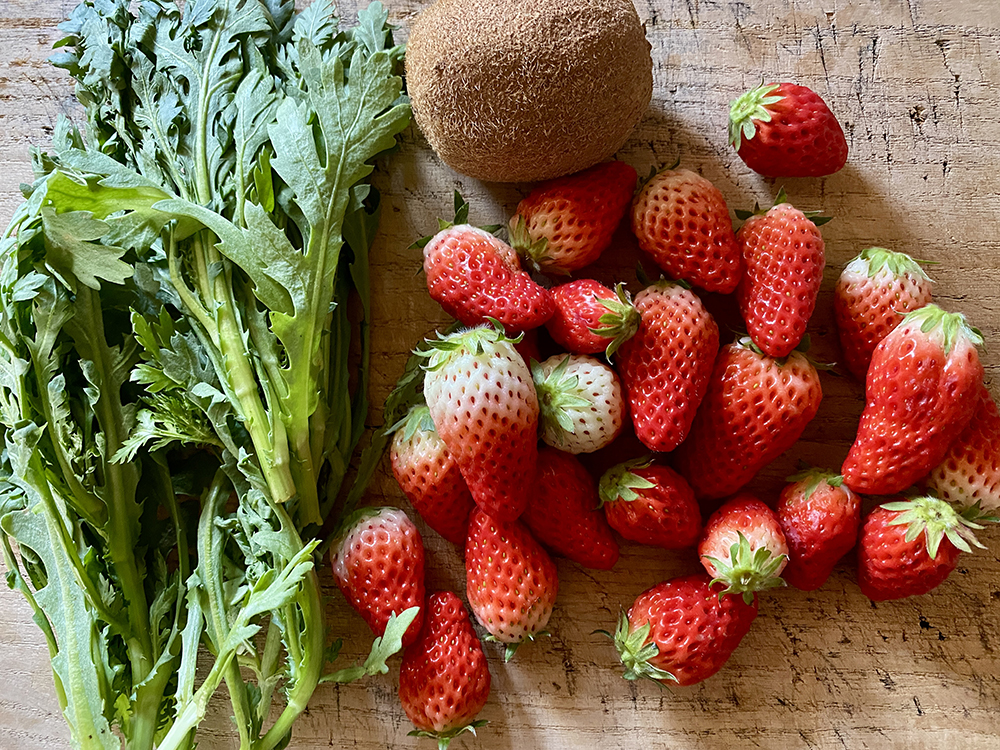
x,y
635,652
936,520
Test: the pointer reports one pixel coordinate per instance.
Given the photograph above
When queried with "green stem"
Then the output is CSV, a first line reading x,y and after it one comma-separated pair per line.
x,y
309,669
194,711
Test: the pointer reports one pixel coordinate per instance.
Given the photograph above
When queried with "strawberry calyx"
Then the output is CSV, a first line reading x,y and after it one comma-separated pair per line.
x,y
471,341
558,397
533,252
620,322
418,418
445,737
620,483
461,217
635,651
782,197
749,108
874,260
813,478
936,520
747,570
944,327
510,648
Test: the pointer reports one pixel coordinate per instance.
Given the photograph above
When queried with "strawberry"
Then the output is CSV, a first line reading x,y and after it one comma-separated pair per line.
x,y
743,548
755,409
786,130
475,276
580,307
970,472
650,504
783,261
528,347
429,477
566,223
444,680
581,407
874,292
820,518
681,631
510,580
682,221
564,512
922,387
484,407
665,366
378,564
908,547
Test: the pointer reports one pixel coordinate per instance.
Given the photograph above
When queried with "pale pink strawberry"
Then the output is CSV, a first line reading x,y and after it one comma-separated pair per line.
x,y
580,401
970,472
483,403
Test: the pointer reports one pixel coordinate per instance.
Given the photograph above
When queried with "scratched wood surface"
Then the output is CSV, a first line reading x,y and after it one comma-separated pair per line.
x,y
916,85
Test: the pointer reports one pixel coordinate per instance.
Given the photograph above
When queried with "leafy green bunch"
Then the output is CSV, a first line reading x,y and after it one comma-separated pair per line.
x,y
178,408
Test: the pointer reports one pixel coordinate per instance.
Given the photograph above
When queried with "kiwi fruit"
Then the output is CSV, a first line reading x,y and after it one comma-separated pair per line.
x,y
527,90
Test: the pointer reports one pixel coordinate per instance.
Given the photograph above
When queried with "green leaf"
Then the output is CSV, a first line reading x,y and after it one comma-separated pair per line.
x,y
73,254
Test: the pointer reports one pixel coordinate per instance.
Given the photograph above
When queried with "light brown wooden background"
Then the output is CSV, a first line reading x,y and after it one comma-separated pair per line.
x,y
916,84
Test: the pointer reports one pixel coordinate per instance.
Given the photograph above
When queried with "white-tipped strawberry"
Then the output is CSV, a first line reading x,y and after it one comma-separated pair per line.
x,y
970,472
874,292
580,401
743,547
484,407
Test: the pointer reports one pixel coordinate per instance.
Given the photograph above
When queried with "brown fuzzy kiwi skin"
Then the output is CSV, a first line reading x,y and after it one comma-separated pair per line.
x,y
527,90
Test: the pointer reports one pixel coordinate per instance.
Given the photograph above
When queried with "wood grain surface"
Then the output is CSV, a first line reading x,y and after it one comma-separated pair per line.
x,y
916,84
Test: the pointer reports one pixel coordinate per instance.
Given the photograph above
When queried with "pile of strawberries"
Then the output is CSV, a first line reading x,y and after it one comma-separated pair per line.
x,y
490,459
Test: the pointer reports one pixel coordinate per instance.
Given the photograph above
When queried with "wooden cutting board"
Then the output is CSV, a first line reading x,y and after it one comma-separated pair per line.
x,y
916,84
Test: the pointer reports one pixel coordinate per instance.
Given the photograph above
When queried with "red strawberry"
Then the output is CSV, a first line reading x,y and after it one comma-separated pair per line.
x,y
681,631
444,680
564,512
922,387
581,407
755,409
566,223
783,263
743,548
908,547
786,130
650,504
820,518
970,472
580,307
484,407
429,477
378,564
511,581
682,221
665,366
874,292
475,276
